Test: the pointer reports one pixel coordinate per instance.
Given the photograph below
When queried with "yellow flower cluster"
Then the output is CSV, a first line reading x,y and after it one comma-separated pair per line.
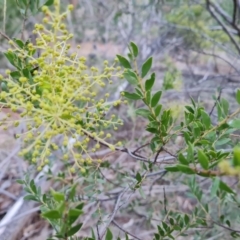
x,y
226,168
58,99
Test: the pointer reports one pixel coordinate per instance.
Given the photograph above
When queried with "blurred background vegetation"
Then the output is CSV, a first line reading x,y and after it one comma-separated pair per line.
x,y
195,46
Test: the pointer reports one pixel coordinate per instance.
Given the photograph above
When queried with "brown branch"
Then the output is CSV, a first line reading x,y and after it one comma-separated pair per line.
x,y
137,149
171,154
5,36
207,173
235,9
158,152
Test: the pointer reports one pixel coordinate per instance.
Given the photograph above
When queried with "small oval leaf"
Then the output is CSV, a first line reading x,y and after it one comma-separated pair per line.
x,y
132,96
109,235
223,186
146,67
203,159
134,48
74,230
206,119
52,214
123,61
238,96
131,77
143,112
149,83
155,99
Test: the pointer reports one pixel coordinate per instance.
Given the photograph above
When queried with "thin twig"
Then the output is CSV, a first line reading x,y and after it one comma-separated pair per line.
x,y
217,56
125,231
158,152
235,9
113,213
171,154
98,232
208,4
5,36
228,228
162,172
217,100
165,200
137,149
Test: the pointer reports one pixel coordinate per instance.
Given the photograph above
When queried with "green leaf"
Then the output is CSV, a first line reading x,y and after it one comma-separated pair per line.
x,y
52,214
190,152
131,76
93,234
185,169
152,130
49,2
30,197
134,48
203,159
139,92
165,226
150,82
20,181
146,67
238,96
124,62
15,74
132,96
33,187
196,132
19,43
157,236
223,186
74,230
11,58
223,141
193,102
236,156
80,206
138,177
186,219
182,159
59,197
225,106
219,110
235,123
22,4
215,186
190,109
171,220
157,110
143,112
72,191
61,207
172,169
206,119
155,99
109,235
148,97
27,74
